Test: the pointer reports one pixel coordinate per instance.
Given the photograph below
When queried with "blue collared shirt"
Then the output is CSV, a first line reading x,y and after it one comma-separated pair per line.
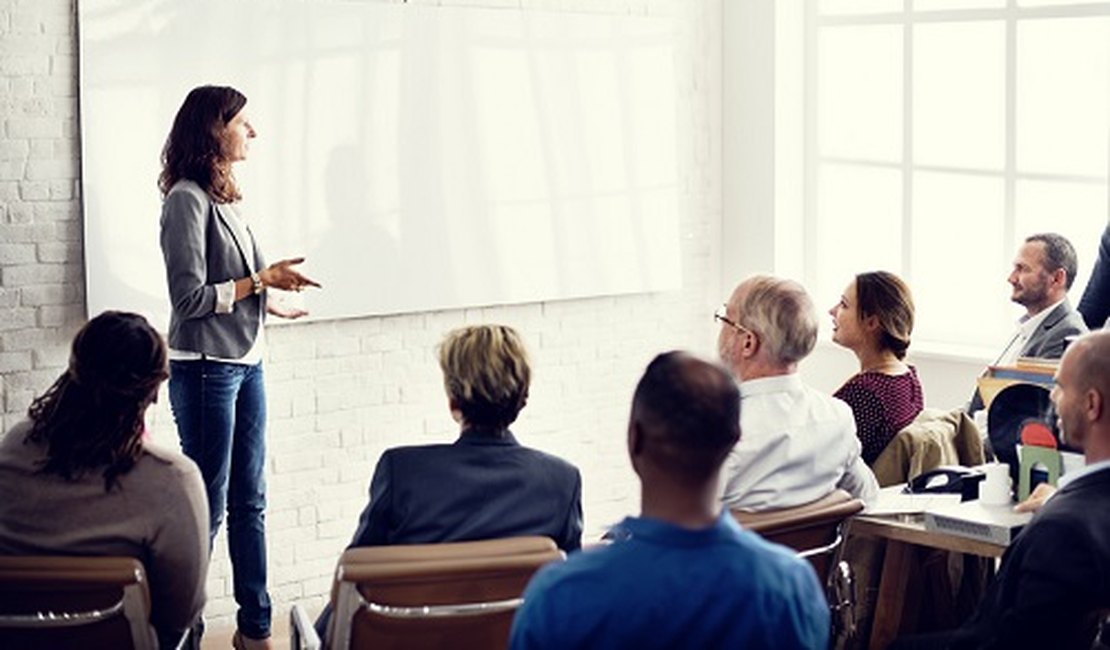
x,y
664,586
1087,469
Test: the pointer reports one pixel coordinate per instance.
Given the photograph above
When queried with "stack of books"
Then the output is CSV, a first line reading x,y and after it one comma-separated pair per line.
x,y
1026,370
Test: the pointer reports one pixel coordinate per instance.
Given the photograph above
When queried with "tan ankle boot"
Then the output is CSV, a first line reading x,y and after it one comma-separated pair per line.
x,y
243,642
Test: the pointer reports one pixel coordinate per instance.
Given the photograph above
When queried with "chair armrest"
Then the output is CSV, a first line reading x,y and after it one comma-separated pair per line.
x,y
302,635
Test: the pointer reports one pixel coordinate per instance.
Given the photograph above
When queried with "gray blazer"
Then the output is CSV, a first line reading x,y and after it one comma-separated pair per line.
x,y
1047,342
201,250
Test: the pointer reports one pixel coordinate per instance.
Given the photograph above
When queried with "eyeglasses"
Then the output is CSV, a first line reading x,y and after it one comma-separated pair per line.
x,y
720,316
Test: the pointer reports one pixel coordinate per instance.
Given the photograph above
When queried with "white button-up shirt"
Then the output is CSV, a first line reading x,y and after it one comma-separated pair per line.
x,y
796,445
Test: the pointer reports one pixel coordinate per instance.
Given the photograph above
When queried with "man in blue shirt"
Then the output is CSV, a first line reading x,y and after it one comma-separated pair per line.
x,y
681,575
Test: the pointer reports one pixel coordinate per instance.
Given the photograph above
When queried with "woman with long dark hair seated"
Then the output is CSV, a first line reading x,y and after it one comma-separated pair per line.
x,y
78,478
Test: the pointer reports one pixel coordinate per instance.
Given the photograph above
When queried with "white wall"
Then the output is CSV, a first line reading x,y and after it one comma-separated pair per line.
x,y
946,380
748,140
341,392
759,206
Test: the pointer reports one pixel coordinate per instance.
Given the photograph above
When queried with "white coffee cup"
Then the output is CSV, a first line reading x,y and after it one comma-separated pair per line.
x,y
994,490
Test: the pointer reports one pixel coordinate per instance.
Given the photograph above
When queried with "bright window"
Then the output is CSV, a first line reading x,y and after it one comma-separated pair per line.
x,y
937,135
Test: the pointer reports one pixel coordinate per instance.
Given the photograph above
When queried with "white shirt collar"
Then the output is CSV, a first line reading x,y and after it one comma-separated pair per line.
x,y
772,384
1026,327
1029,324
1087,469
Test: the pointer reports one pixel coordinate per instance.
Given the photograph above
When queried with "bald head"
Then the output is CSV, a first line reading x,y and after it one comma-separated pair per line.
x,y
1090,355
1082,395
686,416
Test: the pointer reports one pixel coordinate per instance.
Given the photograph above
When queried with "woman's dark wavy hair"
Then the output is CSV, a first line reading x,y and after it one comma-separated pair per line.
x,y
887,297
91,418
194,148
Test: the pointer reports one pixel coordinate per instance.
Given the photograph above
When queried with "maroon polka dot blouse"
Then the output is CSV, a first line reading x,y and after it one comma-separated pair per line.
x,y
882,406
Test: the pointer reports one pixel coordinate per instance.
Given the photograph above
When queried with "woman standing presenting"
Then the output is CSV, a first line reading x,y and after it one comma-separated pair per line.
x,y
874,319
217,285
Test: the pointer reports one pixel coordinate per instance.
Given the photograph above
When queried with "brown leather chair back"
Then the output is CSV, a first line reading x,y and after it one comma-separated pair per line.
x,y
459,595
813,529
74,602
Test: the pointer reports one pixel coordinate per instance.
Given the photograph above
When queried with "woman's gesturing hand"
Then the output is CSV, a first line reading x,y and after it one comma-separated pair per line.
x,y
282,275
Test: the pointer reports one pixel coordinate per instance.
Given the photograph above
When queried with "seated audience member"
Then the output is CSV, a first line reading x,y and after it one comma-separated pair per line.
x,y
1044,270
1053,586
681,575
1095,303
485,485
77,478
874,319
799,444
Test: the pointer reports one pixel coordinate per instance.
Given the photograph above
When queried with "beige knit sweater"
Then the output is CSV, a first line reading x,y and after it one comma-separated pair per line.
x,y
158,514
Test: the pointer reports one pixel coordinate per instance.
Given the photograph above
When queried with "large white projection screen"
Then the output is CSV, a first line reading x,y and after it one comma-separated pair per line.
x,y
421,158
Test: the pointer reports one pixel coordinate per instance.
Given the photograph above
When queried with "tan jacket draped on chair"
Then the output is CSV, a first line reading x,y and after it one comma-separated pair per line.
x,y
934,438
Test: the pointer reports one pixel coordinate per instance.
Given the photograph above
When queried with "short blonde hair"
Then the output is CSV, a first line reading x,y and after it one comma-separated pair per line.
x,y
781,313
486,373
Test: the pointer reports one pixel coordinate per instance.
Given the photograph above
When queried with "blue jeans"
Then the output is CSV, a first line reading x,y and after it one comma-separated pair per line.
x,y
220,410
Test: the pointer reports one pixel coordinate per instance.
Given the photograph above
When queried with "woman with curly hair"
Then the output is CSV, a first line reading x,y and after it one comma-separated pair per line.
x,y
77,477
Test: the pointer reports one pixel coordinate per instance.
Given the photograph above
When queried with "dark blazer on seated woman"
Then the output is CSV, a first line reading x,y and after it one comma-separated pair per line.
x,y
485,485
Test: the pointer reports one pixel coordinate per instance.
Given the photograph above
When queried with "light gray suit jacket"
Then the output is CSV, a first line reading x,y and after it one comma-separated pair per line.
x,y
201,250
1048,341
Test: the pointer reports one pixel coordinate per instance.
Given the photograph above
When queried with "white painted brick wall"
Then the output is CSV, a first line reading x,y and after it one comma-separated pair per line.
x,y
342,392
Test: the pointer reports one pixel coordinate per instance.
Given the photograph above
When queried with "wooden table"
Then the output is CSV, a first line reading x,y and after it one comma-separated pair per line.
x,y
904,535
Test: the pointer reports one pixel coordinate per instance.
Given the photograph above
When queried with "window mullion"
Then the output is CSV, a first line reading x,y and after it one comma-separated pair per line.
x,y
907,141
1009,209
810,155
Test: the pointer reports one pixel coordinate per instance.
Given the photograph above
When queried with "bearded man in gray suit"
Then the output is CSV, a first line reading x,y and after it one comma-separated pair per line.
x,y
1044,269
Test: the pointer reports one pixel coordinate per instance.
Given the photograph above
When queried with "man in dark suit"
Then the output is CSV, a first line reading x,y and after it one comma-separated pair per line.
x,y
1054,584
485,485
1095,303
1044,269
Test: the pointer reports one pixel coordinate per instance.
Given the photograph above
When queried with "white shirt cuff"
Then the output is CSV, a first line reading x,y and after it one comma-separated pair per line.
x,y
225,297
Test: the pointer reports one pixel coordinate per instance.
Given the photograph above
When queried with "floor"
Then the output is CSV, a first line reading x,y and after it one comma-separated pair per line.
x,y
220,638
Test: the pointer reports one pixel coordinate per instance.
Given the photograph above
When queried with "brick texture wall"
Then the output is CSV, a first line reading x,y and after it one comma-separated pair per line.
x,y
341,392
